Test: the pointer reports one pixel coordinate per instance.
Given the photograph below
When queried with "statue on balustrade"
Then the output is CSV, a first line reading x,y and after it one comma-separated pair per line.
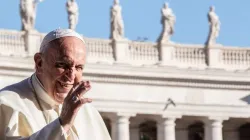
x,y
72,9
28,14
214,25
168,21
117,26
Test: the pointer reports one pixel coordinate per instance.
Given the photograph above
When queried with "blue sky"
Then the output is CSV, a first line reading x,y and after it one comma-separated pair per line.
x,y
141,19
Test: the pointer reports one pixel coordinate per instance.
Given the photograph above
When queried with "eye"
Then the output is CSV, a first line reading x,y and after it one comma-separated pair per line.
x,y
80,67
60,65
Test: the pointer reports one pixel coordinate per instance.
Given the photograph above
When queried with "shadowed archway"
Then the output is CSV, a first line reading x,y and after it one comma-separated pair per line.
x,y
196,131
244,132
148,130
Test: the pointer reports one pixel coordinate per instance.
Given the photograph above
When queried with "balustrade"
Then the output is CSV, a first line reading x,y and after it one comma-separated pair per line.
x,y
236,56
99,49
190,55
12,43
19,43
144,52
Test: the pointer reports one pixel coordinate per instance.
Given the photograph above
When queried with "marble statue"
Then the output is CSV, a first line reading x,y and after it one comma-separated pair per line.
x,y
28,14
72,9
168,21
214,25
117,26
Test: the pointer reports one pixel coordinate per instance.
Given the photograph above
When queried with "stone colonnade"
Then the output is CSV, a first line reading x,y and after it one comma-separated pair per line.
x,y
120,128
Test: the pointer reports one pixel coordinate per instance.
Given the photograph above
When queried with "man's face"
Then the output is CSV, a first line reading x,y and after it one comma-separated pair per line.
x,y
62,67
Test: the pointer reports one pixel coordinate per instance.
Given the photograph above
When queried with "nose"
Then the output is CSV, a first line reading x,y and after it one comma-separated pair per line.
x,y
71,73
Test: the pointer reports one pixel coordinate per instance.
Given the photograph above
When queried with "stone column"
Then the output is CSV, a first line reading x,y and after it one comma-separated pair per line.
x,y
32,42
120,50
120,126
166,129
166,53
213,129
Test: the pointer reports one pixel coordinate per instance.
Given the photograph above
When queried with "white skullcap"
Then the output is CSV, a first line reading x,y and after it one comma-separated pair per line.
x,y
59,33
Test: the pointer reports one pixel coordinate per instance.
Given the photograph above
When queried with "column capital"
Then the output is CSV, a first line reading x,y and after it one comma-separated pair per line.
x,y
123,115
215,121
114,116
217,118
166,121
126,114
170,115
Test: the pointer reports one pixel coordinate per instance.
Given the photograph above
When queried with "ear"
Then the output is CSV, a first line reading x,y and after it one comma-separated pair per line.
x,y
38,62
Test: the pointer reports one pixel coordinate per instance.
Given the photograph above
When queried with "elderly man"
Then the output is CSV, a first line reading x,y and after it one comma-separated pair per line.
x,y
50,105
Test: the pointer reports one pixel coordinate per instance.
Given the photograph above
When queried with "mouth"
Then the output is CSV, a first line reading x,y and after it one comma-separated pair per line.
x,y
61,90
65,85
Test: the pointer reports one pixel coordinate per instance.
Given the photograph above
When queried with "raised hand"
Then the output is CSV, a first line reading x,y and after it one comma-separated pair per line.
x,y
72,104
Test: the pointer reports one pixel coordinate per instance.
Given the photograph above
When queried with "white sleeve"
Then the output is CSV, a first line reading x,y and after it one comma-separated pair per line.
x,y
52,131
14,129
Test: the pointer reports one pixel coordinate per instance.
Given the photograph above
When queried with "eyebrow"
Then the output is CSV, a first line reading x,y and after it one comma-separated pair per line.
x,y
81,65
64,59
69,63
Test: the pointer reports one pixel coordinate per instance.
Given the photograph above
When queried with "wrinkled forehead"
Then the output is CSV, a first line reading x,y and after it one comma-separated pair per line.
x,y
66,47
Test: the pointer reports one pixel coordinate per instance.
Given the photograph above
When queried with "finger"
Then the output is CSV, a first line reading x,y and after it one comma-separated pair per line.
x,y
78,93
82,101
87,83
74,89
75,86
81,90
71,90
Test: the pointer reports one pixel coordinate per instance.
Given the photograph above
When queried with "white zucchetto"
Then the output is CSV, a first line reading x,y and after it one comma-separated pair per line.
x,y
59,33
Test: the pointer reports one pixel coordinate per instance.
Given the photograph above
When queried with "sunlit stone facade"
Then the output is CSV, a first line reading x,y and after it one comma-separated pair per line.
x,y
150,91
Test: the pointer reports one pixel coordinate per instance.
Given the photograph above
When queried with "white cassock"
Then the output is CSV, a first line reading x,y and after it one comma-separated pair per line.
x,y
21,117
